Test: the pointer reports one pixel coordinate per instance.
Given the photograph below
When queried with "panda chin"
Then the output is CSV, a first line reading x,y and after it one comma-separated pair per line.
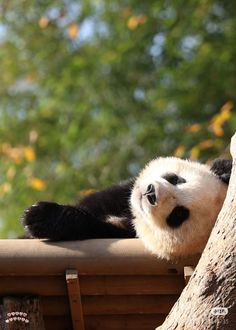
x,y
178,215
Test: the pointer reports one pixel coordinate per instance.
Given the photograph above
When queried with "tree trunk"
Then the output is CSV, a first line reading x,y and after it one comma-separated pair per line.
x,y
18,313
209,299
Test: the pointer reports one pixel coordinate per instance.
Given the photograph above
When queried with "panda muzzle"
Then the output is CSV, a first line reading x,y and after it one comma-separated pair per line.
x,y
151,195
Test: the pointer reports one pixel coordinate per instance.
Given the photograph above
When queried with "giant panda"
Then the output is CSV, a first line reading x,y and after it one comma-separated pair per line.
x,y
171,206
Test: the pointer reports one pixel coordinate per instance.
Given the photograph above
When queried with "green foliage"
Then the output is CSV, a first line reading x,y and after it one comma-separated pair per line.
x,y
91,90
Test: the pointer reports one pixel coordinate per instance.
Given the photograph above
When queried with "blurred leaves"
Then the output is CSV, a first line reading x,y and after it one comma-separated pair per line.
x,y
90,91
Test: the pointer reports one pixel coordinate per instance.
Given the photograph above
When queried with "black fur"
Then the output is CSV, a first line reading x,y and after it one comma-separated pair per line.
x,y
85,220
89,218
222,168
173,178
177,216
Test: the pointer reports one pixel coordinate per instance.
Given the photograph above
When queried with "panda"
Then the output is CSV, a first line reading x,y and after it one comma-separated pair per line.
x,y
171,206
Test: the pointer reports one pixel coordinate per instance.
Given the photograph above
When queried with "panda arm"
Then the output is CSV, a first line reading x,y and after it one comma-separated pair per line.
x,y
104,214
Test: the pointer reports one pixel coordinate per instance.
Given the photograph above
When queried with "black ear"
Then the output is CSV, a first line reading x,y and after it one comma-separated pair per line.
x,y
222,168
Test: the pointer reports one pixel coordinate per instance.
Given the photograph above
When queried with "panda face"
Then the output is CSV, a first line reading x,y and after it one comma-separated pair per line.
x,y
175,204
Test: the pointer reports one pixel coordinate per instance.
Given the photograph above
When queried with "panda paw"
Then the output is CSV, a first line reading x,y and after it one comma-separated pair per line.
x,y
41,218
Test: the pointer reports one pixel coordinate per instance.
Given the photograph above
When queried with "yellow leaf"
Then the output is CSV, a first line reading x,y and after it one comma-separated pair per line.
x,y
73,30
5,188
38,184
132,23
217,130
194,153
43,22
16,154
179,152
205,144
135,21
193,128
29,154
220,118
227,107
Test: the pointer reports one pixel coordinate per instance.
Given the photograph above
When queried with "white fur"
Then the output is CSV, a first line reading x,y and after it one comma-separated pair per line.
x,y
203,194
119,222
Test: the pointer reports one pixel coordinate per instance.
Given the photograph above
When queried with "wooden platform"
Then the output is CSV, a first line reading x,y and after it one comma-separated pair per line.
x,y
120,285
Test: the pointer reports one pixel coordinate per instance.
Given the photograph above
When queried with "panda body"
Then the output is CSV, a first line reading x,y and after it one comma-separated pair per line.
x,y
172,206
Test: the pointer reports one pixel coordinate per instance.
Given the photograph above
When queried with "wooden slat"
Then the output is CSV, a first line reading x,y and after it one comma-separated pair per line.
x,y
93,285
124,322
55,306
73,289
131,285
108,322
36,285
57,323
95,305
105,305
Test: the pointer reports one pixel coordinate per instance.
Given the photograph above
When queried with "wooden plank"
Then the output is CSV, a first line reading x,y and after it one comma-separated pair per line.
x,y
93,285
73,288
131,285
124,322
57,323
55,306
102,305
147,304
36,285
91,257
108,322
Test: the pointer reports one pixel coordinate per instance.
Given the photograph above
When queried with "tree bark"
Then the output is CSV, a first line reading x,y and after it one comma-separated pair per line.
x,y
209,299
21,314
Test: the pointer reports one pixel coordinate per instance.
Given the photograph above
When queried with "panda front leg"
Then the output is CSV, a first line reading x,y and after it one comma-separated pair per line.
x,y
65,222
89,219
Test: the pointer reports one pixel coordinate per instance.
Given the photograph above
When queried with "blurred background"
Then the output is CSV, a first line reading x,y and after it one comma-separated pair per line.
x,y
91,90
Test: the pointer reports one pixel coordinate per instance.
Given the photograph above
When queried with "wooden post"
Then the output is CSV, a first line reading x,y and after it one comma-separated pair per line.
x,y
188,272
73,289
21,314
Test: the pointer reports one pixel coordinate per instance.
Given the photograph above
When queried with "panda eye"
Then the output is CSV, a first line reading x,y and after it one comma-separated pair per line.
x,y
173,178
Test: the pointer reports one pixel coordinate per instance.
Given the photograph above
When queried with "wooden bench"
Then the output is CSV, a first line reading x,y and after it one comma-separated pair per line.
x,y
104,284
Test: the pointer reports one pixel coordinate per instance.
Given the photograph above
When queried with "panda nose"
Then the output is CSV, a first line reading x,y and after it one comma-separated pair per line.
x,y
151,194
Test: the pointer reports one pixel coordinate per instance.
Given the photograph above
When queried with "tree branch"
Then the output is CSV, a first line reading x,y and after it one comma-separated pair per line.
x,y
209,299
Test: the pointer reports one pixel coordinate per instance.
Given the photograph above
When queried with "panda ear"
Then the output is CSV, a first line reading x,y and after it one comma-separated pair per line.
x,y
222,168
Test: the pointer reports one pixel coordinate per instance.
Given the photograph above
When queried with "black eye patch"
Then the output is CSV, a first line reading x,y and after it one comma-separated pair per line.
x,y
178,215
173,178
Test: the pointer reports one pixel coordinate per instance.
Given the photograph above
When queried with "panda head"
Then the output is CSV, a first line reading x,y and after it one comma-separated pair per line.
x,y
175,204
